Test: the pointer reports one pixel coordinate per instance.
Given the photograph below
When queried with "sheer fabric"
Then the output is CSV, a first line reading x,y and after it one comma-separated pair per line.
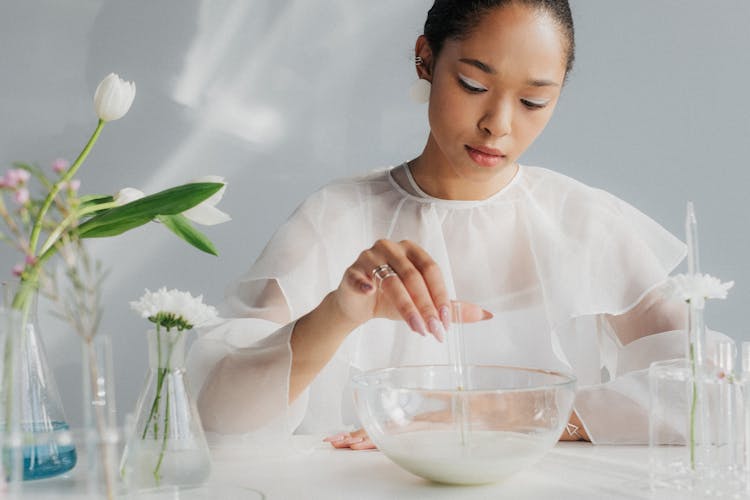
x,y
550,257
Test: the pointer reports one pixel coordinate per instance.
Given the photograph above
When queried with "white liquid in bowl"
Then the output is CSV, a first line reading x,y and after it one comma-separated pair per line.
x,y
491,455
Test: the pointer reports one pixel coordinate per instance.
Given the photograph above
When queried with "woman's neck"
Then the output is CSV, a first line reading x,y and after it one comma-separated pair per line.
x,y
435,176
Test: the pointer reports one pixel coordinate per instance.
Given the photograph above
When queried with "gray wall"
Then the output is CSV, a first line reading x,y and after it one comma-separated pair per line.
x,y
282,96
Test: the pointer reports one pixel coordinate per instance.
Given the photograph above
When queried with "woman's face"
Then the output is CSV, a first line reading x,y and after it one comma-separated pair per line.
x,y
494,92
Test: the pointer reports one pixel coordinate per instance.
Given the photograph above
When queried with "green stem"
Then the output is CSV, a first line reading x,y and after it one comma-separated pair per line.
x,y
69,220
160,373
56,187
23,295
165,434
163,441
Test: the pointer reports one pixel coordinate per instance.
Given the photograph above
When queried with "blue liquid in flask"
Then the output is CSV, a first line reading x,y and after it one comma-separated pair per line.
x,y
51,456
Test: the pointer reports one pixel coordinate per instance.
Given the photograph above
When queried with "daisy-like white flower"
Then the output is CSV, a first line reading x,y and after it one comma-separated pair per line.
x,y
696,288
174,309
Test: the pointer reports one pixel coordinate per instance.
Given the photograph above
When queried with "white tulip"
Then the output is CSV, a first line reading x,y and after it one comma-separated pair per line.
x,y
113,98
126,195
206,212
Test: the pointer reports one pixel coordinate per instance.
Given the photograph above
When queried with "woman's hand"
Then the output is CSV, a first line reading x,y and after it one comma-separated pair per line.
x,y
357,440
400,281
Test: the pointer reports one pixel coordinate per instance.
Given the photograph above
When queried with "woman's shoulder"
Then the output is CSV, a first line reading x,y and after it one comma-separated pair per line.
x,y
374,178
347,198
561,192
354,188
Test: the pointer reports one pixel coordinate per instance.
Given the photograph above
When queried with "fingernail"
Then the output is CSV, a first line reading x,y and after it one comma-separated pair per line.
x,y
337,437
436,328
365,287
445,316
487,315
416,324
354,440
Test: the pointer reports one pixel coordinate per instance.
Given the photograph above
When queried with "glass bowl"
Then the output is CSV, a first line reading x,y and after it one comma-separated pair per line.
x,y
497,421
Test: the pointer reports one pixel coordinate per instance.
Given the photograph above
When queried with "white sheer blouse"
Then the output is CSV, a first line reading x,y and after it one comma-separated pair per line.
x,y
550,257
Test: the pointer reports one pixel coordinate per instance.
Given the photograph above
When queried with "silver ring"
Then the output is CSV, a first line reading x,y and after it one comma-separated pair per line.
x,y
418,60
383,272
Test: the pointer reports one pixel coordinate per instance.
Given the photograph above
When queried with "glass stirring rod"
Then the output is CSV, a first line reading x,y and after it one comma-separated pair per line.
x,y
460,374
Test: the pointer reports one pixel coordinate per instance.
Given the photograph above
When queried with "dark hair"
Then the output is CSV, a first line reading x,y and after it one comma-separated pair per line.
x,y
456,19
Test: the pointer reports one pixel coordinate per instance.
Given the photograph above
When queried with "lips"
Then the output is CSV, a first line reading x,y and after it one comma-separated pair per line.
x,y
485,156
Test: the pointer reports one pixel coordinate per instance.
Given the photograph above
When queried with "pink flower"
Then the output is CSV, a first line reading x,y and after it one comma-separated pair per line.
x,y
17,270
73,185
21,196
60,165
30,260
15,177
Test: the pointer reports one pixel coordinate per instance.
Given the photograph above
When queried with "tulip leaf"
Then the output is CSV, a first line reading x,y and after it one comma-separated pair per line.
x,y
180,226
90,201
95,199
114,229
171,201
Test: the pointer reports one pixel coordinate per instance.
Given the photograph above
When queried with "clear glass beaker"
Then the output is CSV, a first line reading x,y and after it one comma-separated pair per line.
x,y
46,440
694,429
167,445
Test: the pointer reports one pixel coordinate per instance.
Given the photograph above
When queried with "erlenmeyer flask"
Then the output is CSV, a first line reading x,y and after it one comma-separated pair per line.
x,y
47,443
167,445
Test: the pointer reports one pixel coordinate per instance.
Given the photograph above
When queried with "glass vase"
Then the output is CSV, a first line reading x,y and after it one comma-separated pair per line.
x,y
167,445
46,442
695,440
100,431
11,465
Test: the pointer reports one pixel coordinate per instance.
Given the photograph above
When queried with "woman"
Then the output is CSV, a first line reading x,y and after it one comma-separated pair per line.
x,y
551,273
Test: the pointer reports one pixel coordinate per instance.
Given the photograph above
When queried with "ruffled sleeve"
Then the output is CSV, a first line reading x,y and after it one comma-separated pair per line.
x,y
596,255
593,252
251,348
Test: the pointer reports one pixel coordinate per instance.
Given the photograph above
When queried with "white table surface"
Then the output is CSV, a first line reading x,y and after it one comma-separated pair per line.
x,y
571,471
307,468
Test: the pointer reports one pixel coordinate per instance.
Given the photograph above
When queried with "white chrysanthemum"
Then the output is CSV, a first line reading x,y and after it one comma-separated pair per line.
x,y
696,288
174,307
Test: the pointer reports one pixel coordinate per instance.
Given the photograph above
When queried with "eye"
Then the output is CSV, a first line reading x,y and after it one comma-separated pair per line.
x,y
470,85
535,103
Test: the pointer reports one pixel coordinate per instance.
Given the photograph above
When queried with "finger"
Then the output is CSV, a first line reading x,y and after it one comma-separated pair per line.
x,y
367,444
470,313
347,442
412,284
359,280
392,287
359,433
397,294
336,437
433,279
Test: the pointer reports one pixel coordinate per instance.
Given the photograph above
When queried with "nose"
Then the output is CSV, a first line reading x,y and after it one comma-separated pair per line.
x,y
497,120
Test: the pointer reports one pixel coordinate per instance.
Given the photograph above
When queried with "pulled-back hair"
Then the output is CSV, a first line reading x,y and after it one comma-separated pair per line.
x,y
456,19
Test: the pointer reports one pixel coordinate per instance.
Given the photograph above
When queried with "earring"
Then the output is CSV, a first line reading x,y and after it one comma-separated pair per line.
x,y
420,91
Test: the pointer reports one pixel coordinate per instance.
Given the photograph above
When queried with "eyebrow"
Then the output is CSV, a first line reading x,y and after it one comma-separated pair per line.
x,y
479,64
489,69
